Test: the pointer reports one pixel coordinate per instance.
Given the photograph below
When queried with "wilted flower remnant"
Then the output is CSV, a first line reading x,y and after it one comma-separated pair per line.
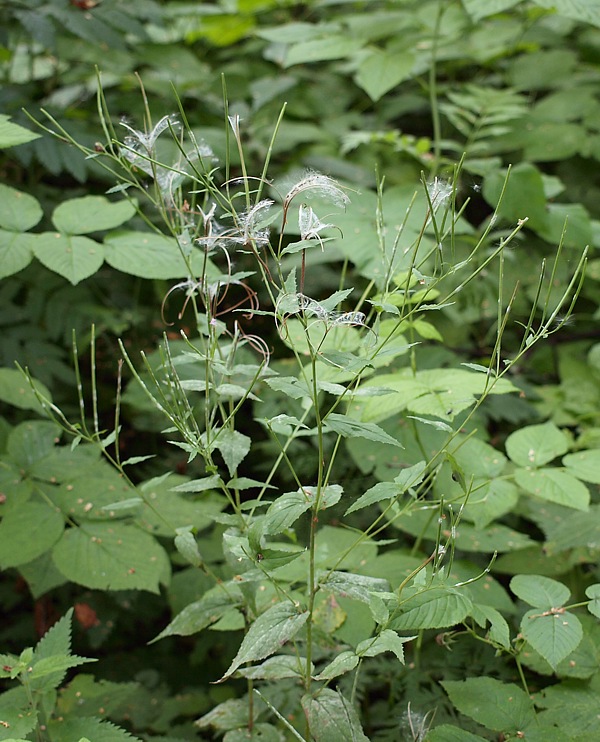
x,y
310,225
140,151
319,184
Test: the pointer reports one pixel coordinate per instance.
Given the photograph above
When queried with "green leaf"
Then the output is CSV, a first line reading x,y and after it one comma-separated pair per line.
x,y
271,630
16,251
499,630
407,478
358,587
234,447
18,211
584,465
57,663
340,665
16,390
20,722
187,546
230,714
380,71
285,511
91,214
478,10
554,636
12,134
276,668
196,616
593,592
447,733
318,50
586,11
573,707
540,592
502,707
349,428
332,718
524,195
536,445
73,258
554,485
111,556
260,733
434,608
28,531
95,729
386,641
148,255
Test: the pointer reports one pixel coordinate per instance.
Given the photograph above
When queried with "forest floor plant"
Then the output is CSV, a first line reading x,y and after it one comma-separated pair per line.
x,y
300,569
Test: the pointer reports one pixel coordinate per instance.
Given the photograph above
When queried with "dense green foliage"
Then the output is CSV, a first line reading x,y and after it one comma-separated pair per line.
x,y
299,371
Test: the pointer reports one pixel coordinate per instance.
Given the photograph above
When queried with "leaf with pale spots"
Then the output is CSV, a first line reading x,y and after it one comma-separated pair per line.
x,y
553,634
536,445
72,257
268,634
502,707
112,556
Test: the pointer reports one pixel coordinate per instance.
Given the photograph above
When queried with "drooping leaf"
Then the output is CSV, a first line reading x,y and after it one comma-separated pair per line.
x,y
349,428
499,631
271,630
554,635
332,717
502,707
111,556
72,257
204,612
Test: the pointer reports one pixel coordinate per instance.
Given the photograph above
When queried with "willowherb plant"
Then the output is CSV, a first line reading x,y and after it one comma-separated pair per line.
x,y
309,589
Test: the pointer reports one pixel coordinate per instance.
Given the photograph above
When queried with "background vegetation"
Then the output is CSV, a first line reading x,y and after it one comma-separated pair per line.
x,y
447,515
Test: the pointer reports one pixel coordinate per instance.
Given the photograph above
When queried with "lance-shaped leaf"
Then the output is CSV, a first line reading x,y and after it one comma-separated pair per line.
x,y
268,634
285,511
349,428
196,616
388,490
387,641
